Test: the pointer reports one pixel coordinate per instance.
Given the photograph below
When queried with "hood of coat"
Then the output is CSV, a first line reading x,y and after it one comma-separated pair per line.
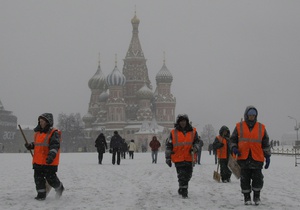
x,y
250,123
49,118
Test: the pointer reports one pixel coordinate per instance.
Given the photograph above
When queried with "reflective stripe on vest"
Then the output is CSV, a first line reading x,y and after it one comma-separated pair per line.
x,y
182,145
222,152
41,148
250,141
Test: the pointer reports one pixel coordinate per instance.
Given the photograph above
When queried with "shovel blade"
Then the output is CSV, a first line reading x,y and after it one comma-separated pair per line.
x,y
234,167
217,176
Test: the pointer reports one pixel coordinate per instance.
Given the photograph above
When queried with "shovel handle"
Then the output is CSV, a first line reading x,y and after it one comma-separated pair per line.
x,y
24,137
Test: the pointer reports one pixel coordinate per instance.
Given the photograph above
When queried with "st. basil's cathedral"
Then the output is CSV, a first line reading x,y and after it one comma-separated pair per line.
x,y
125,102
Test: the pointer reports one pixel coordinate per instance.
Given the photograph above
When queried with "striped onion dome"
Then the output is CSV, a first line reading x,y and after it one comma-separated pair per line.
x,y
98,80
116,78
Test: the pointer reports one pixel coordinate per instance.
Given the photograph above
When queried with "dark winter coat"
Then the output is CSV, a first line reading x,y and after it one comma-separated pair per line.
x,y
169,144
234,141
124,146
200,144
154,144
116,142
54,143
100,143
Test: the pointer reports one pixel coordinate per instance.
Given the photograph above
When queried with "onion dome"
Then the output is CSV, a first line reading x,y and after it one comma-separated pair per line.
x,y
144,93
135,20
116,78
103,96
88,117
164,75
98,80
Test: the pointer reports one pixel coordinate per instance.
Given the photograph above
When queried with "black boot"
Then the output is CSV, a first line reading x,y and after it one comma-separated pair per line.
x,y
41,196
256,197
59,191
184,192
180,191
247,199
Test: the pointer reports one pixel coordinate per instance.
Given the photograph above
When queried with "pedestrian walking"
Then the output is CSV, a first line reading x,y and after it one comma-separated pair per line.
x,y
154,145
101,146
199,151
222,145
182,143
124,149
115,146
250,142
46,146
131,149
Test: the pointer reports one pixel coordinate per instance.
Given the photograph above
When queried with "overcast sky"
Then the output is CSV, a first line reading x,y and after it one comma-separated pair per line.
x,y
223,55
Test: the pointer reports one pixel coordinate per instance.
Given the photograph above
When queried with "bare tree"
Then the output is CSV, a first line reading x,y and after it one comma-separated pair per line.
x,y
208,135
72,131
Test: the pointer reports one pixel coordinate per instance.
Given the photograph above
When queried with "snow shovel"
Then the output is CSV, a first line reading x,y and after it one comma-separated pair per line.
x,y
216,175
234,167
48,187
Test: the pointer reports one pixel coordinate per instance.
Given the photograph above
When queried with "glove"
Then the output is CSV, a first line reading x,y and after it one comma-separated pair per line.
x,y
29,146
110,150
236,151
50,157
267,162
168,162
194,149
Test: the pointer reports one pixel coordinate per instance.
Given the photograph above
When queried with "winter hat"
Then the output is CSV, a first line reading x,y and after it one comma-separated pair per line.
x,y
115,132
252,112
181,117
48,117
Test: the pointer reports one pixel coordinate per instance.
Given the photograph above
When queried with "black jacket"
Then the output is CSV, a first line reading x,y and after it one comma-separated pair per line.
x,y
116,142
100,143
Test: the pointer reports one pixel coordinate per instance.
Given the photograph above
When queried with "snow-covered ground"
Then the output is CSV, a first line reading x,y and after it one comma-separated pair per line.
x,y
139,184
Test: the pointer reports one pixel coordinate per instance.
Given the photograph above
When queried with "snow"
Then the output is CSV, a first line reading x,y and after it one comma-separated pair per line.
x,y
139,184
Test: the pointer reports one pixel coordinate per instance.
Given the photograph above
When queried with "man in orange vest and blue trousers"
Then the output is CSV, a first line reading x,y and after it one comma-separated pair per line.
x,y
181,144
45,160
250,142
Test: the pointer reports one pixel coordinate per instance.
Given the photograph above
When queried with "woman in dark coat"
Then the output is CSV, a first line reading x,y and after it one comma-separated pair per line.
x,y
101,146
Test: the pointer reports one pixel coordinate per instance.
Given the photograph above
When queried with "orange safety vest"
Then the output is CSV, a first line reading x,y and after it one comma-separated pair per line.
x,y
182,145
250,140
222,152
41,148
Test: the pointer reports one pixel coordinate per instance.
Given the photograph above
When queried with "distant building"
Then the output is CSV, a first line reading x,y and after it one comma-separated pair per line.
x,y
124,101
8,130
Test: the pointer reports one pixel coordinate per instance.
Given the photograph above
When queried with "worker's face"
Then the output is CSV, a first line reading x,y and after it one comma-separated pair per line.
x,y
182,123
251,117
43,123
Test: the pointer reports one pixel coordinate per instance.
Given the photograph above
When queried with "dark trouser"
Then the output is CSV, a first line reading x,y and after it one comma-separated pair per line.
x,y
216,158
184,173
118,153
40,177
254,175
100,157
154,156
131,154
199,156
225,171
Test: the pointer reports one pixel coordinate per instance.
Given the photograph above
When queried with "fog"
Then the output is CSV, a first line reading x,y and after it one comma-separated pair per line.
x,y
223,55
